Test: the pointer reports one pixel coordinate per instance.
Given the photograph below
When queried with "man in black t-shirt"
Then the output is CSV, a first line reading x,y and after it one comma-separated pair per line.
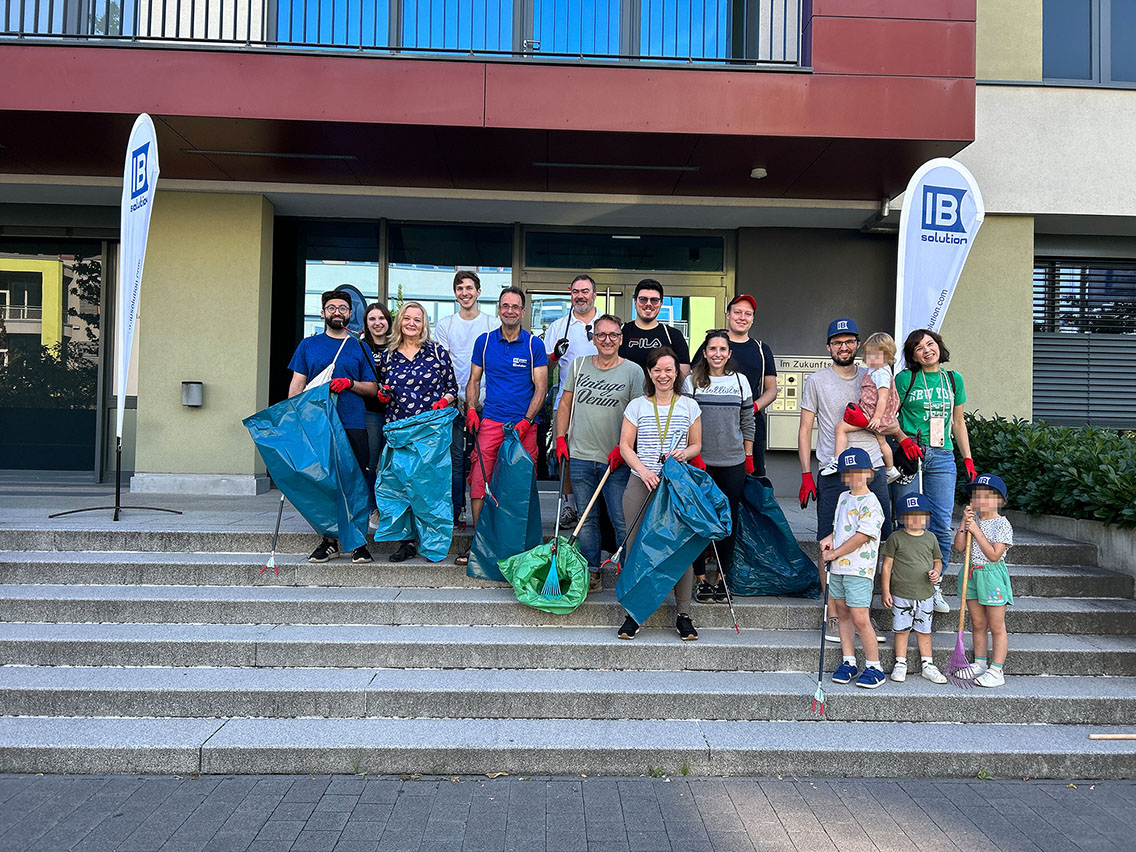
x,y
755,361
645,332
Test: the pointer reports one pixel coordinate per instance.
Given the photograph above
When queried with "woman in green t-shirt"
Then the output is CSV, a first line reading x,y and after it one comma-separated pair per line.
x,y
930,408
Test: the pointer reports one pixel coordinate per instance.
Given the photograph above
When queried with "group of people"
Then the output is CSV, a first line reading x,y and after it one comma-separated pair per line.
x,y
629,394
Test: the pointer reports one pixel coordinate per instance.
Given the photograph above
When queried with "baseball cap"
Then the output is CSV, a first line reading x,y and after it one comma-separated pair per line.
x,y
914,503
743,297
989,480
853,459
842,326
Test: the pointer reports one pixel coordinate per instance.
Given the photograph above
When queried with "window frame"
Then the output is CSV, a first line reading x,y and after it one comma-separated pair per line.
x,y
1100,52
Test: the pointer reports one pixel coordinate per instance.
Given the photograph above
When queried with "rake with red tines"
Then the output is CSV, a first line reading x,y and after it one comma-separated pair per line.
x,y
959,670
818,696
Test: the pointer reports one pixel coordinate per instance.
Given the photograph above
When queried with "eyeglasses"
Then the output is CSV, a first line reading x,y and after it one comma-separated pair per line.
x,y
588,329
845,344
649,300
717,332
608,335
337,309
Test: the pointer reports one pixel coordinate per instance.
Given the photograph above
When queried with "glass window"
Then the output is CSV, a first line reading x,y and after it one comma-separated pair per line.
x,y
1074,297
457,24
577,26
664,252
50,295
1067,40
1122,37
339,255
424,258
685,28
349,23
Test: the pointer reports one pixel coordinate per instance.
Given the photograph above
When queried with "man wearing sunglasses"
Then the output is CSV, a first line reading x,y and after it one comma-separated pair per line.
x,y
352,379
645,332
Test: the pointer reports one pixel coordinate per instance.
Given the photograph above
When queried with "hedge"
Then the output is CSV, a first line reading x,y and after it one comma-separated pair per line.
x,y
1080,472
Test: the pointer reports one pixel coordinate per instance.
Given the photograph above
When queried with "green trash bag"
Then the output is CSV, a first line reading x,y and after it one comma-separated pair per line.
x,y
528,571
511,525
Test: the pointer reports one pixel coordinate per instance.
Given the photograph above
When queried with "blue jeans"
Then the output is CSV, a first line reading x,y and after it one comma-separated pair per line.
x,y
375,443
829,489
939,474
460,450
586,475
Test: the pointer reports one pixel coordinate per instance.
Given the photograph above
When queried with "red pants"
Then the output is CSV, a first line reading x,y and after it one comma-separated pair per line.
x,y
487,444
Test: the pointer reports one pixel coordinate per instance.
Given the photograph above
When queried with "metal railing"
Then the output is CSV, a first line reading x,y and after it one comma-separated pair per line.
x,y
724,32
22,312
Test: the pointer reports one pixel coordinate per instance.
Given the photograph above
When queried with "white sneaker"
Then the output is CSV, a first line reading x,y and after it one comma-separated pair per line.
x,y
940,604
991,677
832,630
932,673
899,671
830,468
892,474
978,668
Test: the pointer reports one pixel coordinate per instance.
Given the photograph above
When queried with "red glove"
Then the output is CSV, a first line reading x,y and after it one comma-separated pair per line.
x,y
808,489
698,463
854,416
911,449
523,427
383,394
472,421
561,449
749,464
441,403
340,385
970,471
614,459
756,410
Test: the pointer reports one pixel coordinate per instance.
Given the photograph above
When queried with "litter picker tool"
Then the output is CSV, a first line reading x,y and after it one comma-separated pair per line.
x,y
481,462
818,696
618,555
960,672
271,563
722,578
551,587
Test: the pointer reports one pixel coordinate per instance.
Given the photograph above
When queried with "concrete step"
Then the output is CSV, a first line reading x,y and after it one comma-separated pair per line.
x,y
452,647
557,746
223,569
545,694
488,607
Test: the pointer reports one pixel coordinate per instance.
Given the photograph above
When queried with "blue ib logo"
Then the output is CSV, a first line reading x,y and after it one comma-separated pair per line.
x,y
942,209
139,174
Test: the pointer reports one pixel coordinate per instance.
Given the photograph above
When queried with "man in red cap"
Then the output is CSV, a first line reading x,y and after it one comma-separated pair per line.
x,y
755,361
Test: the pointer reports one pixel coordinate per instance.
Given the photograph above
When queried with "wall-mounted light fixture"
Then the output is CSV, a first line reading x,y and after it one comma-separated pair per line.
x,y
192,394
759,173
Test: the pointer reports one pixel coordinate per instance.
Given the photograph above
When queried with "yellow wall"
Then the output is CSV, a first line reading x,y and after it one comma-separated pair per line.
x,y
52,301
204,316
1008,40
989,327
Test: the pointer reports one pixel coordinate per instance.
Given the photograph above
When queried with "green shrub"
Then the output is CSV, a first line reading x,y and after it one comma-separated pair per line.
x,y
1057,470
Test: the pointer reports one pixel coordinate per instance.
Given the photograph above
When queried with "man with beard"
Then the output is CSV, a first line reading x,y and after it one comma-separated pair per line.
x,y
567,339
645,333
827,393
352,379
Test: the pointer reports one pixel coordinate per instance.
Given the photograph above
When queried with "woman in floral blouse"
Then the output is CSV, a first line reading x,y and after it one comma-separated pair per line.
x,y
417,374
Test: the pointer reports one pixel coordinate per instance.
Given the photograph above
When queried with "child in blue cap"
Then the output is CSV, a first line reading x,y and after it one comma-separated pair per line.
x,y
988,591
912,564
851,552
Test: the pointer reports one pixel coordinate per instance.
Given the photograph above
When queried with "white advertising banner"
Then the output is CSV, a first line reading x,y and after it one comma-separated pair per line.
x,y
942,212
139,182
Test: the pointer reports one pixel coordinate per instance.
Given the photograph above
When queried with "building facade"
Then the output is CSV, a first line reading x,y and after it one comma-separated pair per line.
x,y
738,146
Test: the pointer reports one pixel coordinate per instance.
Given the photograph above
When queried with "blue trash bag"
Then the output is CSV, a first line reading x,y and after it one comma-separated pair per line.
x,y
767,558
687,512
412,488
511,525
308,456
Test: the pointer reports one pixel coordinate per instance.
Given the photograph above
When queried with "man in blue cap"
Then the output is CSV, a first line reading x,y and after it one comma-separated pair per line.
x,y
827,393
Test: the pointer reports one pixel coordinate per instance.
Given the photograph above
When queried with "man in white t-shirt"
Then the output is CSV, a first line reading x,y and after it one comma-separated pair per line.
x,y
456,333
565,340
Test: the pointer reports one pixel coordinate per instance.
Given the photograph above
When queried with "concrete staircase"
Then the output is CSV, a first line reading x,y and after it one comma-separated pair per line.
x,y
166,651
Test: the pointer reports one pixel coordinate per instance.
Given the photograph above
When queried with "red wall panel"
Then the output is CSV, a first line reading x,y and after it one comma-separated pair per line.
x,y
883,46
927,10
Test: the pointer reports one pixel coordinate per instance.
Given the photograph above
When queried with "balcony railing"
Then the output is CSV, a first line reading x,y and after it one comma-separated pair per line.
x,y
21,312
721,32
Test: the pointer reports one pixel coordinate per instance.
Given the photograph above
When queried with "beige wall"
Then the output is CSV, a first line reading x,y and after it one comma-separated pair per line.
x,y
205,307
989,327
1008,37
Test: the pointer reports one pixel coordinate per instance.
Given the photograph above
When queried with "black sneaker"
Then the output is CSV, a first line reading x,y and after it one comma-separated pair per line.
x,y
595,583
630,628
720,590
328,549
685,628
361,554
405,551
704,592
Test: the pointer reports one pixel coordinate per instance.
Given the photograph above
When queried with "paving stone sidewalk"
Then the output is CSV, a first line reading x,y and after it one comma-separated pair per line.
x,y
478,814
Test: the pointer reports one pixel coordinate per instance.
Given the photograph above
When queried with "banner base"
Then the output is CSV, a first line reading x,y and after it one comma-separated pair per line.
x,y
117,507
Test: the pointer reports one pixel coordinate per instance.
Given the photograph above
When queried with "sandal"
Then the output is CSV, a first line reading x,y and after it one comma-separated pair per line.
x,y
462,558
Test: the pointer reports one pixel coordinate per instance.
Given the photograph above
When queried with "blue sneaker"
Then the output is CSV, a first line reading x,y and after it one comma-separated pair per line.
x,y
844,673
870,678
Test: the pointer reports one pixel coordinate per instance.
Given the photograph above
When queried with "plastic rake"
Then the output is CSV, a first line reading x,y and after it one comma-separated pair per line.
x,y
959,671
551,589
818,696
271,563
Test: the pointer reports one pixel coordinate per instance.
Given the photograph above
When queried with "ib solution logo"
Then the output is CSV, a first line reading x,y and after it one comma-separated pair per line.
x,y
942,214
139,175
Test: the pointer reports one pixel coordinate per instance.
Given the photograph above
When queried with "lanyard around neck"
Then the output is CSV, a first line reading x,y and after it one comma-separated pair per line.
x,y
663,430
